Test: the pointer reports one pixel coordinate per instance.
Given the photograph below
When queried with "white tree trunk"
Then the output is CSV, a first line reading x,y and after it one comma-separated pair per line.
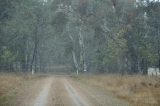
x,y
33,71
75,62
82,52
74,54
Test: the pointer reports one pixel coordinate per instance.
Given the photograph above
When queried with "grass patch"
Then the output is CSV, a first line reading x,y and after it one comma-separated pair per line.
x,y
136,89
11,84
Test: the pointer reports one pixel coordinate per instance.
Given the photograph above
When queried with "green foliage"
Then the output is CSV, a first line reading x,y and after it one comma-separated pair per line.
x,y
116,47
116,33
7,56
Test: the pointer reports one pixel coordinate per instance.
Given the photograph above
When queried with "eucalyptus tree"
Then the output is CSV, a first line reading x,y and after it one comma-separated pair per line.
x,y
22,31
66,12
152,13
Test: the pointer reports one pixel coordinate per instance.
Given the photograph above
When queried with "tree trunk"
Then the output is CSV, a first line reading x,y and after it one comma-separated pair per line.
x,y
158,50
83,66
34,56
75,62
73,53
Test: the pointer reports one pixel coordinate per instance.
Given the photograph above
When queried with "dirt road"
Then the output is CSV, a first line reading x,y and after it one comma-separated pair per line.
x,y
64,91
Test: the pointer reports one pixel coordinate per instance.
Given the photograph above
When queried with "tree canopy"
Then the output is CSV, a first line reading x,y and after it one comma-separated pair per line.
x,y
89,35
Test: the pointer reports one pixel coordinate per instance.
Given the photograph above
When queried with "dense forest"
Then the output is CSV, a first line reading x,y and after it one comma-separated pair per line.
x,y
121,36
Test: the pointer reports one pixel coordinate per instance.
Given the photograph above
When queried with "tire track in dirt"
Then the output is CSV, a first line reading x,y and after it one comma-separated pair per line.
x,y
65,91
58,94
76,98
92,95
42,98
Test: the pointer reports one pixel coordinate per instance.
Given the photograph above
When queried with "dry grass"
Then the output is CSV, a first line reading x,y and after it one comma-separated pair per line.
x,y
8,83
11,84
137,90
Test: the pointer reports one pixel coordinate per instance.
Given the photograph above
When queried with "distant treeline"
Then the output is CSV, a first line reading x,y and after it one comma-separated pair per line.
x,y
121,36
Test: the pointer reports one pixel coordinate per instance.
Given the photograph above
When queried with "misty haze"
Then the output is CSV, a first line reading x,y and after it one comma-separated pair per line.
x,y
79,52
